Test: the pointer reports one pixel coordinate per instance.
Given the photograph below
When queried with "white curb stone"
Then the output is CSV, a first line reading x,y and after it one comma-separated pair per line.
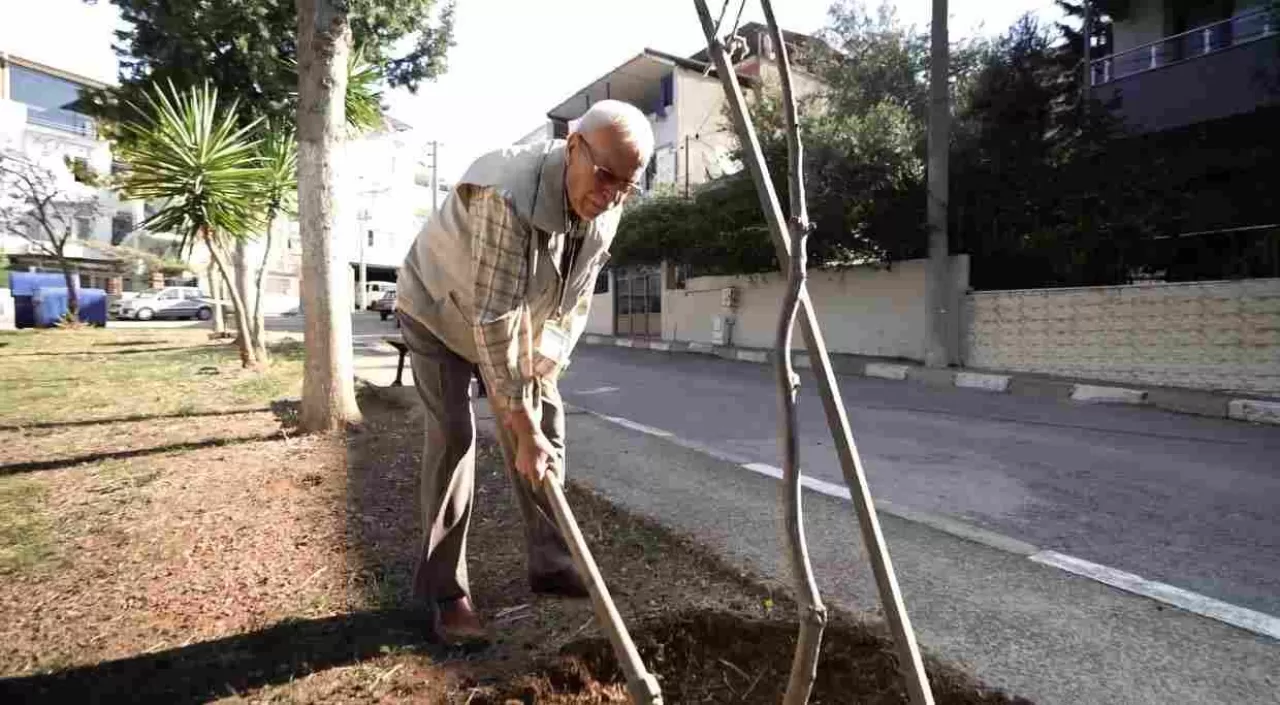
x,y
701,348
1254,410
593,339
753,356
1107,395
979,380
623,342
664,347
883,371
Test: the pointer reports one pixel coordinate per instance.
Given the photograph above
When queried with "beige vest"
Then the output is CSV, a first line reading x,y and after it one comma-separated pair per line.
x,y
435,285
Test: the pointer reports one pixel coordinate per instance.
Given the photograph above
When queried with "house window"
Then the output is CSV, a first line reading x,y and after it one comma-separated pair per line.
x,y
370,238
84,227
602,282
121,226
50,101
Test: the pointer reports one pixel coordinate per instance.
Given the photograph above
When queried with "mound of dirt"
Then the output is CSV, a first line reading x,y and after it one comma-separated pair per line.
x,y
703,656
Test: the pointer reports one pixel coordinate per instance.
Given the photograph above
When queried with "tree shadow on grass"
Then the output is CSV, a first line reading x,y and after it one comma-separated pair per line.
x,y
213,669
54,464
75,423
95,353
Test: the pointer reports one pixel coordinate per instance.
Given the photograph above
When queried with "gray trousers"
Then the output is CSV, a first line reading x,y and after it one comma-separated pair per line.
x,y
443,381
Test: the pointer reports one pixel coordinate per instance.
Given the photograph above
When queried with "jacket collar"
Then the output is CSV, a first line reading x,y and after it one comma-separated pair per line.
x,y
551,210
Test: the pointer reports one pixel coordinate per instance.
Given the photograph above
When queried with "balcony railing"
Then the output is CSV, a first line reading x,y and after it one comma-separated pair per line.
x,y
64,120
1241,29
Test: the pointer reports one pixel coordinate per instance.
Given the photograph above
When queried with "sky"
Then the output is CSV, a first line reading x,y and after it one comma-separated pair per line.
x,y
514,59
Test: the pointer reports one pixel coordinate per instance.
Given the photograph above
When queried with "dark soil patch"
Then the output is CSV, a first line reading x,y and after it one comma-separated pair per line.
x,y
704,656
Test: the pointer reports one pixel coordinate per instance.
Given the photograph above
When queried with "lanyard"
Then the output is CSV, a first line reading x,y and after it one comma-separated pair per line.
x,y
572,245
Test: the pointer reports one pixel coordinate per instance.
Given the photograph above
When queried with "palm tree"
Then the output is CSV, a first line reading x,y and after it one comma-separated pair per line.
x,y
278,192
192,155
362,99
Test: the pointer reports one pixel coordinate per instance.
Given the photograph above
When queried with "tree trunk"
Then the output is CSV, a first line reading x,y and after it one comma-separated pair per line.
x,y
259,318
215,290
247,296
855,476
248,357
328,388
939,345
813,614
73,295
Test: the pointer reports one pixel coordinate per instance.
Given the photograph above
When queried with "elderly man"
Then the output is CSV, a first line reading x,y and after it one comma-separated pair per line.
x,y
501,279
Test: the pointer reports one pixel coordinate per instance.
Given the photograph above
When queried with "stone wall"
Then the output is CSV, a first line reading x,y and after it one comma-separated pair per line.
x,y
1206,335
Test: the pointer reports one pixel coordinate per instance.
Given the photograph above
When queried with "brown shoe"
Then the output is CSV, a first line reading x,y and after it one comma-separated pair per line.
x,y
562,583
456,622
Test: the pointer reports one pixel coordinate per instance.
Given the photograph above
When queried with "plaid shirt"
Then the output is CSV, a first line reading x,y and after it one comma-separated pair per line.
x,y
506,321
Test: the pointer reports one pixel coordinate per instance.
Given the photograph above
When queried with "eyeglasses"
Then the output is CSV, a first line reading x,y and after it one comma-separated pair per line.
x,y
616,185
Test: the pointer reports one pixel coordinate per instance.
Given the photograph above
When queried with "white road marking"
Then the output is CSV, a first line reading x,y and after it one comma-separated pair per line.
x,y
1227,613
597,390
627,423
1241,617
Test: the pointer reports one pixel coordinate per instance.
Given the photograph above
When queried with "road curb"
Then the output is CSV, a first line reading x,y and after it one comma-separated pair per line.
x,y
1184,401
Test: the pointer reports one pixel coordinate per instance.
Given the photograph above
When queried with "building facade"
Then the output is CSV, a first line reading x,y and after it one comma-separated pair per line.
x,y
40,122
1172,64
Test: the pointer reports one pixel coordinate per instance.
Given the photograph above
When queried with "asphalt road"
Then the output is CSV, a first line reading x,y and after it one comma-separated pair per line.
x,y
1179,499
1039,632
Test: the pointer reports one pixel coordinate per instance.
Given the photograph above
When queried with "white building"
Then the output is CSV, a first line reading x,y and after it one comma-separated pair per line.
x,y
39,119
384,197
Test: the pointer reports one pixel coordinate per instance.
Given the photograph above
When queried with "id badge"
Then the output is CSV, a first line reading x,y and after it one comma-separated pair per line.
x,y
553,349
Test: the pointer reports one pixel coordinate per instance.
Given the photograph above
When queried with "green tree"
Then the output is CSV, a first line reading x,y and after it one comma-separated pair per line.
x,y
248,49
192,154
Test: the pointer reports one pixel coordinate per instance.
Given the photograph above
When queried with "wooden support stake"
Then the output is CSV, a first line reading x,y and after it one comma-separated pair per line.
x,y
850,463
641,685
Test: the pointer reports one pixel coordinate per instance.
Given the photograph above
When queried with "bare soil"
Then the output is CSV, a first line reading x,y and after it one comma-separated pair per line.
x,y
213,555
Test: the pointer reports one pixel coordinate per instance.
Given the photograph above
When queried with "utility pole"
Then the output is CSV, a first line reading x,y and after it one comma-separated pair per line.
x,y
938,351
686,166
1088,50
364,273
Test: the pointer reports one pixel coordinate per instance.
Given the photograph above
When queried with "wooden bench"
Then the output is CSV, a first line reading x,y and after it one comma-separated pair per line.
x,y
398,344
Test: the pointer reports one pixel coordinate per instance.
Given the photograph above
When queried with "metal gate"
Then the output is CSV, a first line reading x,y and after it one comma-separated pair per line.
x,y
637,302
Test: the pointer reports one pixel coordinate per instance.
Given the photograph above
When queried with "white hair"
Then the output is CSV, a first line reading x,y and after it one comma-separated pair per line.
x,y
625,118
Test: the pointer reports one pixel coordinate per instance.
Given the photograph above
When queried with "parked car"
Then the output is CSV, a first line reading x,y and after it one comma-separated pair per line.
x,y
169,302
374,291
385,305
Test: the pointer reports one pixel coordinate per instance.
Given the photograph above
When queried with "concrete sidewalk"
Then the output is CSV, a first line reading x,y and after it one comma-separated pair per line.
x,y
1034,630
1239,407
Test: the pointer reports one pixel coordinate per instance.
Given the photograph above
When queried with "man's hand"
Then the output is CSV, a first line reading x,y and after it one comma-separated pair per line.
x,y
535,455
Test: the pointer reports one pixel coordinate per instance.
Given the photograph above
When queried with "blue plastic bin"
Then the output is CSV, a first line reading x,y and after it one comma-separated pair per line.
x,y
50,304
23,286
